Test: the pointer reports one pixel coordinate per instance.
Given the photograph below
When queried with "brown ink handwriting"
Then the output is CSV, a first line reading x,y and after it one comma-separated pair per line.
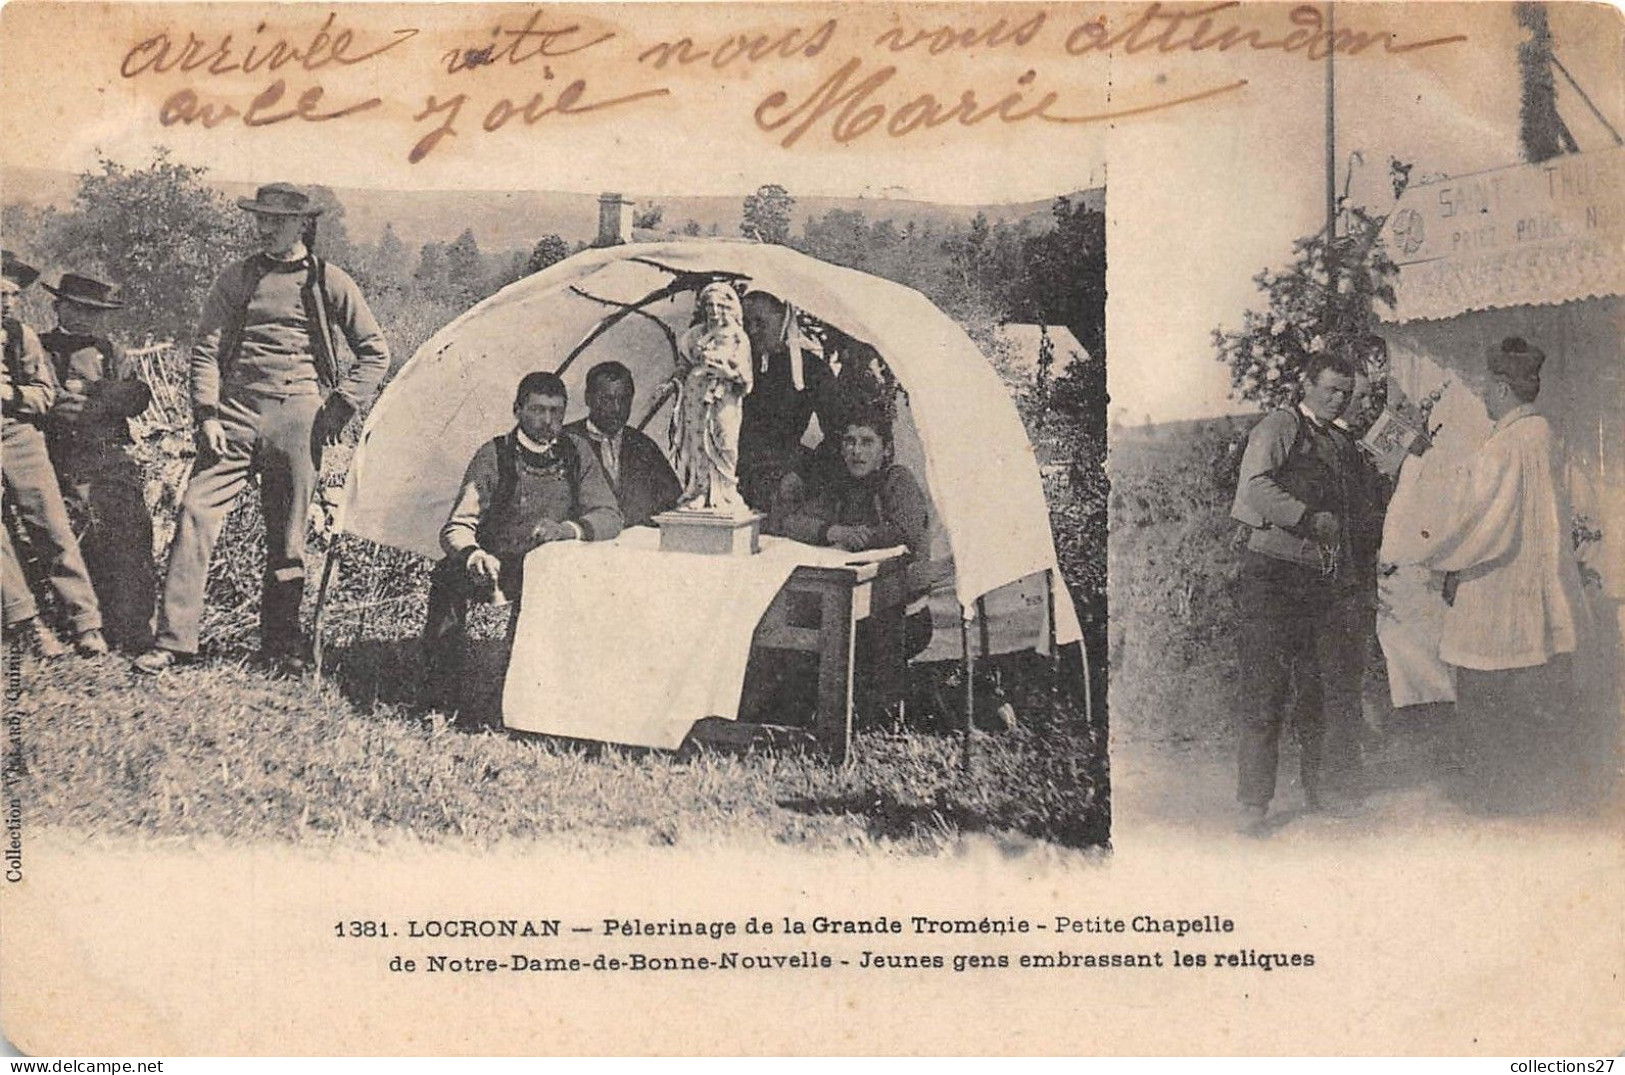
x,y
941,39
162,53
854,114
523,45
565,103
1201,29
752,48
186,108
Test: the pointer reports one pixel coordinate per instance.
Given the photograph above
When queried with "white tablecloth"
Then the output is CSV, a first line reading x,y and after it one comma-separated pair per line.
x,y
620,642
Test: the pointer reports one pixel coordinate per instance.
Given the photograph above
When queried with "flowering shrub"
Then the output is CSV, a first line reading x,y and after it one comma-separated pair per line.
x,y
1325,300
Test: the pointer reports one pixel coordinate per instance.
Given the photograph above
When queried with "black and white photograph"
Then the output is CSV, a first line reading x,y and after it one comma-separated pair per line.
x,y
594,509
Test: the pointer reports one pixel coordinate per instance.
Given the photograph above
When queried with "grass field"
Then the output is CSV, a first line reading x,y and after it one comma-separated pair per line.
x,y
223,749
1171,558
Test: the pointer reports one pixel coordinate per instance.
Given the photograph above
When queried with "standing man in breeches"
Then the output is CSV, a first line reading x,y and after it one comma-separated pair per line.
x,y
88,432
31,487
267,397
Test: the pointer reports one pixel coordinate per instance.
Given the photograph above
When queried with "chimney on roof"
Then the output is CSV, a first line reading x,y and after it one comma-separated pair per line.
x,y
614,220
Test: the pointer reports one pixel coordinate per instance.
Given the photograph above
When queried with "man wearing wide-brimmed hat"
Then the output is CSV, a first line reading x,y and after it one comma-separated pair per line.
x,y
267,395
1515,620
31,487
88,431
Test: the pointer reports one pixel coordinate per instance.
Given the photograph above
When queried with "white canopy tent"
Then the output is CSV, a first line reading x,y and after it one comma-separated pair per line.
x,y
957,428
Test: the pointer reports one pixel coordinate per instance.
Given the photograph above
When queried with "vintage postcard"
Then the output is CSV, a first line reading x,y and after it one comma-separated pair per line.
x,y
872,528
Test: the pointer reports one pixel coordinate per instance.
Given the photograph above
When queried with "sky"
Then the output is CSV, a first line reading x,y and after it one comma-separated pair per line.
x,y
1201,195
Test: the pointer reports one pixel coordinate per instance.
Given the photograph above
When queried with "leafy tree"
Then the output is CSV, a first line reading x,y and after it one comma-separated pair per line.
x,y
430,276
840,236
549,250
504,268
465,270
332,235
766,214
1063,277
648,218
691,227
389,267
160,231
1325,300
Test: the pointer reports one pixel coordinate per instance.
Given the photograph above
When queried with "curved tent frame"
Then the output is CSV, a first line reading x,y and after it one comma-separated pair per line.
x,y
957,425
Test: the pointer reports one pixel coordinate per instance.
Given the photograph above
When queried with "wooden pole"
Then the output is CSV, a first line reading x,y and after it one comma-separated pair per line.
x,y
330,565
1331,130
1054,648
968,668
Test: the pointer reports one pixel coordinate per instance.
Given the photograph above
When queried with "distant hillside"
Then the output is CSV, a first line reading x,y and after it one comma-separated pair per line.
x,y
509,219
1155,437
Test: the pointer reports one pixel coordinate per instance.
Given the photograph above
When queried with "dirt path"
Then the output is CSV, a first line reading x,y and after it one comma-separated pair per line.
x,y
1190,785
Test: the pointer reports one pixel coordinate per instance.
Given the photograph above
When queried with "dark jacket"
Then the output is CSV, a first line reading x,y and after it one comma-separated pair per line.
x,y
646,485
30,388
114,394
888,508
1294,467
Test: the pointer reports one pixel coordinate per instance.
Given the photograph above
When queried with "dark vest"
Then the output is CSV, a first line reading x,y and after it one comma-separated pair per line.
x,y
1319,470
530,489
79,356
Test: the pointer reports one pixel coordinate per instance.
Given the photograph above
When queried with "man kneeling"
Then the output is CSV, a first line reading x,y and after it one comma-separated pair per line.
x,y
532,485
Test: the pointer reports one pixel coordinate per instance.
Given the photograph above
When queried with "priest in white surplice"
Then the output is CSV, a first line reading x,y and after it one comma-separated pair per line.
x,y
1512,628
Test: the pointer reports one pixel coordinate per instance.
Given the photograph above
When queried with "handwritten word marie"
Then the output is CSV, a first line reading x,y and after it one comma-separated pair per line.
x,y
853,108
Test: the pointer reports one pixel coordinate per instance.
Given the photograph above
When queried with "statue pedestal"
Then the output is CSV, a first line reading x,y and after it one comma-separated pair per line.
x,y
714,533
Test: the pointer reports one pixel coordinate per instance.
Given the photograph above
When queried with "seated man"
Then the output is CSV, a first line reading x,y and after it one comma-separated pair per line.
x,y
530,486
874,503
643,482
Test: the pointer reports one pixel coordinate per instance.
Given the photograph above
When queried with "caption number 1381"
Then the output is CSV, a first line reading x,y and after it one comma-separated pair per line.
x,y
360,929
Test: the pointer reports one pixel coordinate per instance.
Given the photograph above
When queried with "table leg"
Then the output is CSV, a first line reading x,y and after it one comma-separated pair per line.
x,y
836,650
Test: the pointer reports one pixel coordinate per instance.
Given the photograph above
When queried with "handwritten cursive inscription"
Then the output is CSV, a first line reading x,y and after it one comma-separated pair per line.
x,y
853,112
853,96
529,42
1168,30
752,48
566,103
160,54
186,108
940,39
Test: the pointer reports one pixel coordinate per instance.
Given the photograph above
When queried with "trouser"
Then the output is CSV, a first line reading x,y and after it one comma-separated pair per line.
x,y
17,598
274,438
1299,622
104,491
30,484
445,629
1519,734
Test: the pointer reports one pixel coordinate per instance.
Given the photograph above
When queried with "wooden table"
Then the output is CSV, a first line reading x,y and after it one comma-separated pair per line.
x,y
818,611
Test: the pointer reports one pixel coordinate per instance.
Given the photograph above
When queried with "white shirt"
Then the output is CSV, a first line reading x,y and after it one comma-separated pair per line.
x,y
531,446
1518,593
609,451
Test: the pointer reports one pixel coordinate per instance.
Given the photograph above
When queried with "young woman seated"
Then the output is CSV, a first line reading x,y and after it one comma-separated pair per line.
x,y
875,504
